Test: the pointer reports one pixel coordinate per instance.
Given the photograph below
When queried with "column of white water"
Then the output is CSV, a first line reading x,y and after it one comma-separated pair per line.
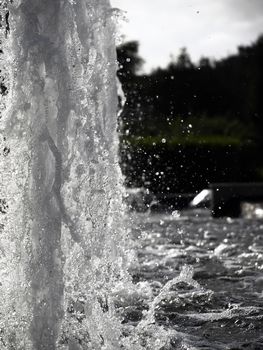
x,y
61,242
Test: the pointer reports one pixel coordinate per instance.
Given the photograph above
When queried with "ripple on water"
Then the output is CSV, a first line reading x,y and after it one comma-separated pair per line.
x,y
220,304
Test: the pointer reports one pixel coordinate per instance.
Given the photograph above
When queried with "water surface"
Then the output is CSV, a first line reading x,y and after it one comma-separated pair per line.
x,y
217,301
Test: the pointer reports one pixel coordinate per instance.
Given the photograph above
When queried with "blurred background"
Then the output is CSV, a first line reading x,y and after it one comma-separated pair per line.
x,y
192,75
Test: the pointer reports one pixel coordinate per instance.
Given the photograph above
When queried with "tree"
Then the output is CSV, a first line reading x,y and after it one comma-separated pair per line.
x,y
129,60
183,60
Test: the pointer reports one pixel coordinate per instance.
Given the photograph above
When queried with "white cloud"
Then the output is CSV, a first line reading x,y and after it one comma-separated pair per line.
x,y
246,9
206,27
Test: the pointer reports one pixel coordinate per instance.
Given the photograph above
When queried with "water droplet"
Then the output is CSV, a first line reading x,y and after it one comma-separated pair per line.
x,y
176,214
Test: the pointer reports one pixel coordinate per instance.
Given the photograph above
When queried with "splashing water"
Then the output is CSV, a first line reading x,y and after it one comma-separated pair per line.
x,y
62,249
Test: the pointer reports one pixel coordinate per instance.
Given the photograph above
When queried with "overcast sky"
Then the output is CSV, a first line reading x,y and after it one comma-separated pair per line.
x,y
211,28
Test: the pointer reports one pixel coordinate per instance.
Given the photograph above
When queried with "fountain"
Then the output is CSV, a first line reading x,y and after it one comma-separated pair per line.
x,y
64,253
62,247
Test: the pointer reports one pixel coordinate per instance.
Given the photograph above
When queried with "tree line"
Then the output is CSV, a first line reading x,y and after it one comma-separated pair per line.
x,y
209,104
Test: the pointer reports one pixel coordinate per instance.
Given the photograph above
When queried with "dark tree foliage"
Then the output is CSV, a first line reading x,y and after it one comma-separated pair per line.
x,y
221,101
230,88
129,60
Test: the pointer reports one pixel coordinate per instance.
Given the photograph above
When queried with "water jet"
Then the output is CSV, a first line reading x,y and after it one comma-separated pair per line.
x,y
62,246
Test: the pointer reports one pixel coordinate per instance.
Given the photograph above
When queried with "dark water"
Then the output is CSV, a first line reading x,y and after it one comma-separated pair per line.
x,y
218,304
